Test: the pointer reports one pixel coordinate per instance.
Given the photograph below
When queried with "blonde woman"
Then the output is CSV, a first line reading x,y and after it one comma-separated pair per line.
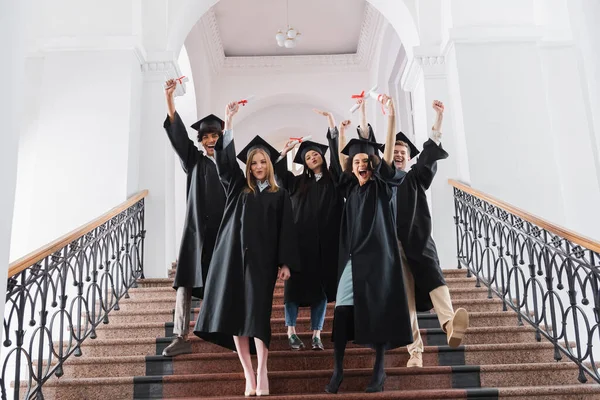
x,y
256,245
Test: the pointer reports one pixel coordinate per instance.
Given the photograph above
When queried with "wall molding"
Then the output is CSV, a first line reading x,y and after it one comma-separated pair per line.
x,y
362,60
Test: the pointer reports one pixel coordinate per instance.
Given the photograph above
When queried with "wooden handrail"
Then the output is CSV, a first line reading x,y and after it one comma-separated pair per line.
x,y
25,262
542,223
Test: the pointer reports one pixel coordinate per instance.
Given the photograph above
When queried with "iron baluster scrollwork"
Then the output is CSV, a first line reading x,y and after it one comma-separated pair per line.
x,y
57,302
551,282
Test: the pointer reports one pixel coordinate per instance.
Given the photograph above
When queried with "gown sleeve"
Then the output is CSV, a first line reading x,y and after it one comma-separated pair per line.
x,y
288,241
426,165
343,181
230,173
184,147
284,176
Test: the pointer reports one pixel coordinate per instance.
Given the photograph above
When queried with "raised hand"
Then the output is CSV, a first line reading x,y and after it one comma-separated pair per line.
x,y
323,113
170,87
231,109
345,124
289,146
390,107
438,106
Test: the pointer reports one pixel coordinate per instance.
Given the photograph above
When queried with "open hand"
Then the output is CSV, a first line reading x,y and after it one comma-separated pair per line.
x,y
323,113
284,273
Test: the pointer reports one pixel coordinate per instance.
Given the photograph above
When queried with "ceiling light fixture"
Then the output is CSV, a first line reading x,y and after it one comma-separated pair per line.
x,y
290,38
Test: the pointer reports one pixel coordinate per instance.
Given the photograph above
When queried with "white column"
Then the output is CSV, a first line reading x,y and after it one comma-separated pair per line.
x,y
156,171
433,80
12,24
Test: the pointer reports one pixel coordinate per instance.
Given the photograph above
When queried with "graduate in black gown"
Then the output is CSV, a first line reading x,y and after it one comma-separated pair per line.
x,y
256,244
424,280
317,205
204,210
371,305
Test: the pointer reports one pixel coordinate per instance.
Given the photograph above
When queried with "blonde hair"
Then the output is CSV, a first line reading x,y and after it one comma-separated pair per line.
x,y
251,181
401,143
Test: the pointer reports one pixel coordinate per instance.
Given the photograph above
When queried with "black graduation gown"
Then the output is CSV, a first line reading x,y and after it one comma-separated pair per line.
x,y
317,215
413,222
256,236
204,209
368,236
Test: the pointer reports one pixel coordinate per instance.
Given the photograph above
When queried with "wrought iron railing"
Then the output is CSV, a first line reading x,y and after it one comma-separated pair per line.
x,y
548,275
57,296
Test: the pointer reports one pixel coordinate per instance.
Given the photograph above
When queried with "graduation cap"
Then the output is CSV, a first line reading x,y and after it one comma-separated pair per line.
x,y
413,150
307,146
357,146
258,143
209,124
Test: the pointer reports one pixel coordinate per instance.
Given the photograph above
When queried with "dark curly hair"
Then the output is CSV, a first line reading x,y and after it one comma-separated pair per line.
x,y
374,161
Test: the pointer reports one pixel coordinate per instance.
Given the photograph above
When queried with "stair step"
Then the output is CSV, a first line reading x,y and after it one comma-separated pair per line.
x,y
146,345
288,360
162,302
313,382
158,329
566,392
496,318
453,281
168,292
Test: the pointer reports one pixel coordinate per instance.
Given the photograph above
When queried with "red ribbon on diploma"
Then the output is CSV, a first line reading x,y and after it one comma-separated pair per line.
x,y
359,96
243,102
180,79
296,138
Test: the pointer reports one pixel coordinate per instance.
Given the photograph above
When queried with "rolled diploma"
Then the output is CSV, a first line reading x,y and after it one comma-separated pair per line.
x,y
179,81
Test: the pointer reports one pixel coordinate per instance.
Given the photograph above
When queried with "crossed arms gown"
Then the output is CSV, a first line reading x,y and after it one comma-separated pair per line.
x,y
256,236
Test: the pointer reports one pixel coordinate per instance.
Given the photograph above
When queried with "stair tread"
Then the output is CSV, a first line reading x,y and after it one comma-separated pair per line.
x,y
309,353
427,394
475,314
426,370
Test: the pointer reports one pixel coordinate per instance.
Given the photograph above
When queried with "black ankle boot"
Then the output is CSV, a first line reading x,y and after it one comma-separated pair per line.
x,y
378,378
342,324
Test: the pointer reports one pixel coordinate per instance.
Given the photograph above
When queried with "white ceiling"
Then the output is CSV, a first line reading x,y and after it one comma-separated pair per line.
x,y
248,27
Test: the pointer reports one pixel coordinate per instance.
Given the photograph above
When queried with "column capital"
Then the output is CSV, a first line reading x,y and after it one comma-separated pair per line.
x,y
433,59
162,70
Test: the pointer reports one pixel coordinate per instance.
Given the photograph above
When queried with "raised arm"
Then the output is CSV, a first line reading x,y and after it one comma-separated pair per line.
x,y
363,129
230,172
186,150
171,85
390,138
342,142
426,166
436,129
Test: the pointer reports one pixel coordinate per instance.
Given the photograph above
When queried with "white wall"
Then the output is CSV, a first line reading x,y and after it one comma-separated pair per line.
x,y
12,31
77,151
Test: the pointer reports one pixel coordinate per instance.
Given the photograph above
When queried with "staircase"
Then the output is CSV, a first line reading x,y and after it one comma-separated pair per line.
x,y
498,359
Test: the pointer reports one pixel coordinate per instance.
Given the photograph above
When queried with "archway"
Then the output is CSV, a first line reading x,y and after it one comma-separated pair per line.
x,y
395,11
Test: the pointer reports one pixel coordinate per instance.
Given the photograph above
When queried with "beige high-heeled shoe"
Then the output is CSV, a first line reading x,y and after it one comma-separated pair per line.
x,y
260,393
251,392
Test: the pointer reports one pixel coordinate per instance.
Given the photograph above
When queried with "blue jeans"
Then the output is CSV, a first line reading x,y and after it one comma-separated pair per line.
x,y
317,314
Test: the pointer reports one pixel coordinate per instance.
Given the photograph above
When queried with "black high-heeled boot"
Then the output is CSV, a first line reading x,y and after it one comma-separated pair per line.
x,y
378,378
342,324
